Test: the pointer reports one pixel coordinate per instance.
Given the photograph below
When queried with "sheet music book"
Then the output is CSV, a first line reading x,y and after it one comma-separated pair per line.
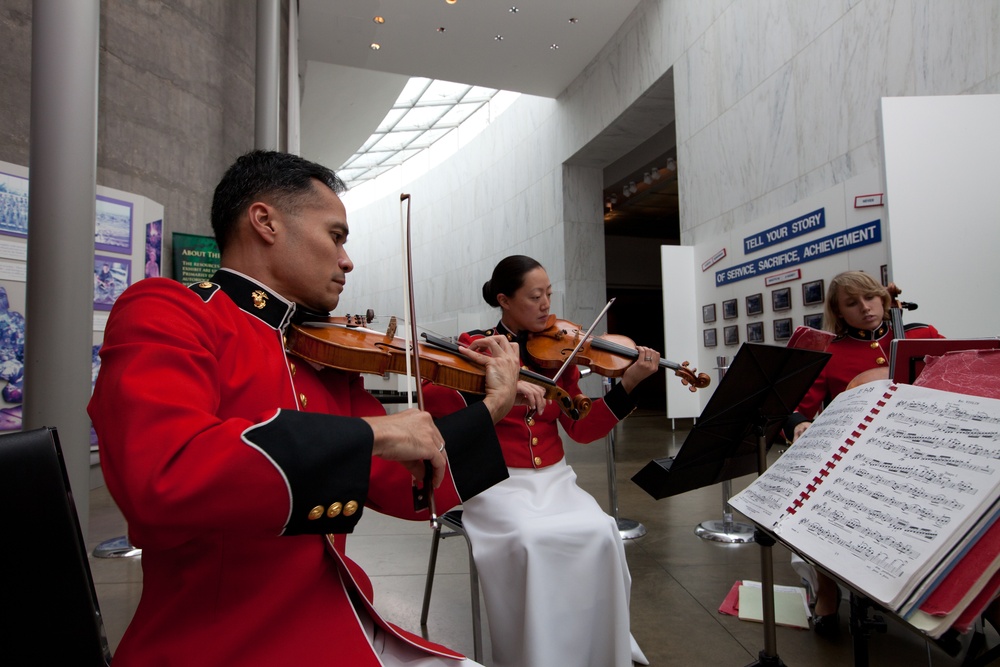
x,y
888,488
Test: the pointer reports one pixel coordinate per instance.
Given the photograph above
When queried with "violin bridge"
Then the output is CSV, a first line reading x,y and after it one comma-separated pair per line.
x,y
390,332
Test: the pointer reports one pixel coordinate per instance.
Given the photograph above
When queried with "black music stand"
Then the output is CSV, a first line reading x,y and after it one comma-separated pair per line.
x,y
763,385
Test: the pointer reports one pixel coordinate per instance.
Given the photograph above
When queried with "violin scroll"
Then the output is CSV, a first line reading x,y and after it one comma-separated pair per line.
x,y
690,379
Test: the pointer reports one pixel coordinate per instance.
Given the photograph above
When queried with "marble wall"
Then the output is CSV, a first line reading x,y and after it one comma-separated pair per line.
x,y
774,101
176,98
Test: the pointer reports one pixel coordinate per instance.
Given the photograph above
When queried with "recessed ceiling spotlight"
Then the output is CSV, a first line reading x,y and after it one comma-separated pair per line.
x,y
513,10
375,46
499,38
554,47
378,19
450,2
574,20
441,29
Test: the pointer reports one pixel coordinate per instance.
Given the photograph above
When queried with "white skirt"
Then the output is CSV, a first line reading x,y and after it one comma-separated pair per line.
x,y
552,566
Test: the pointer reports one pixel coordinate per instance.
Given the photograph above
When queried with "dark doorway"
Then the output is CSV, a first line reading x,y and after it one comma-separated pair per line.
x,y
638,314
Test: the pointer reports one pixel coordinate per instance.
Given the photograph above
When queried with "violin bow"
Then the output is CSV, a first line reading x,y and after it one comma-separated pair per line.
x,y
426,497
579,344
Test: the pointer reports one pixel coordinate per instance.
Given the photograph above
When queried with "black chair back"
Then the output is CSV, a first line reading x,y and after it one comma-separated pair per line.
x,y
50,610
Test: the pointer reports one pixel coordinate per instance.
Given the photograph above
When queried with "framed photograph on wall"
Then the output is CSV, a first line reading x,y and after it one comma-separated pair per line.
x,y
755,332
812,293
111,276
783,329
729,311
113,225
13,205
708,313
709,338
814,320
731,335
755,304
884,274
781,299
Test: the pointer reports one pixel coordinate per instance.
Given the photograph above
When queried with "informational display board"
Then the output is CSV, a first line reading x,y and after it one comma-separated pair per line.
x,y
196,258
128,246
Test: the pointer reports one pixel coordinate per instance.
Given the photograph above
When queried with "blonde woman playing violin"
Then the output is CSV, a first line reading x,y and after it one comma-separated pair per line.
x,y
551,562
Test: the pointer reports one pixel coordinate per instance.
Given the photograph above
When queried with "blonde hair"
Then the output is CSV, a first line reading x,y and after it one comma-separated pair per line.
x,y
857,284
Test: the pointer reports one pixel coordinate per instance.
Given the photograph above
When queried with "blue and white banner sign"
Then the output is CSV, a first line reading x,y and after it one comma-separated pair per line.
x,y
804,224
849,239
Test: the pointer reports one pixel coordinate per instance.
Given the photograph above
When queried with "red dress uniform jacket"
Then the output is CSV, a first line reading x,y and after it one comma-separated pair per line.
x,y
231,462
533,441
851,354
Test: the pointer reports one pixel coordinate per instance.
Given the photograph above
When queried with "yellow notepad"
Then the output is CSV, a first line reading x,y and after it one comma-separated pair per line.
x,y
791,608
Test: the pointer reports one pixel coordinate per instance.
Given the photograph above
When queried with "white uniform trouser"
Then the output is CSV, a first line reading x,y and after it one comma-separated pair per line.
x,y
552,567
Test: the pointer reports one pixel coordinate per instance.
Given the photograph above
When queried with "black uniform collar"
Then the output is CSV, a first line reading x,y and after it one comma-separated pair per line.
x,y
256,299
520,338
862,334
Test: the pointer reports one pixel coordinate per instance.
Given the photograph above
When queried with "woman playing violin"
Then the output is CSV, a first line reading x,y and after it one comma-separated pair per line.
x,y
857,311
551,562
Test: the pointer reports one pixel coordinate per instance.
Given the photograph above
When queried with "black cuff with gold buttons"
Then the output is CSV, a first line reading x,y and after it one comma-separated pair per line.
x,y
474,453
326,461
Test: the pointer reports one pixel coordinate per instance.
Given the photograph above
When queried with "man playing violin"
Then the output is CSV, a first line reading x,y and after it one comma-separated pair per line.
x,y
550,561
241,469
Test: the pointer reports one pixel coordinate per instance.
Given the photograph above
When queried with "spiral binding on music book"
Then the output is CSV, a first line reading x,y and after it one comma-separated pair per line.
x,y
838,456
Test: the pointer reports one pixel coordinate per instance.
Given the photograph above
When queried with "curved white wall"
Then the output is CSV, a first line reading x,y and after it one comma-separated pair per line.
x,y
774,103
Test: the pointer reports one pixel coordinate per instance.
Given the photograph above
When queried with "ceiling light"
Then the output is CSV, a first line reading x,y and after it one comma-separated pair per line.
x,y
631,187
626,191
614,199
450,2
513,10
647,179
441,29
375,46
379,20
554,47
574,20
655,173
499,38
671,164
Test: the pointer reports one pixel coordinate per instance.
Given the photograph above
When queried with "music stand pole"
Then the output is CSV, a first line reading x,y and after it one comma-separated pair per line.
x,y
768,656
726,530
628,528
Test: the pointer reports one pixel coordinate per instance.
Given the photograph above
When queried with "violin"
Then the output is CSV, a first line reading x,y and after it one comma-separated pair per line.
x,y
608,355
343,344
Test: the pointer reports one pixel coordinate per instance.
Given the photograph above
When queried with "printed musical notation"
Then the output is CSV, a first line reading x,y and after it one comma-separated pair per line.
x,y
884,485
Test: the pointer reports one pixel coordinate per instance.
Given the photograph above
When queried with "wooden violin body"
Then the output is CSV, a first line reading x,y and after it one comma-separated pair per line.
x,y
609,355
366,351
350,348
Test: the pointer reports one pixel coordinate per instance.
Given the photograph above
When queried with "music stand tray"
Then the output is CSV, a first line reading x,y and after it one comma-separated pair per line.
x,y
763,385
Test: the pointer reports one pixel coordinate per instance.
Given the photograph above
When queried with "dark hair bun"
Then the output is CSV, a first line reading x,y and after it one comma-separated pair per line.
x,y
489,296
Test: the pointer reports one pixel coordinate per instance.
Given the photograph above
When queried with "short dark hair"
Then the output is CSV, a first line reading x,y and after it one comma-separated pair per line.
x,y
507,278
284,179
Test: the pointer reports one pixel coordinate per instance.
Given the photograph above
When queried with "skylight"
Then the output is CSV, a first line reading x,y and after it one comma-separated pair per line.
x,y
426,111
